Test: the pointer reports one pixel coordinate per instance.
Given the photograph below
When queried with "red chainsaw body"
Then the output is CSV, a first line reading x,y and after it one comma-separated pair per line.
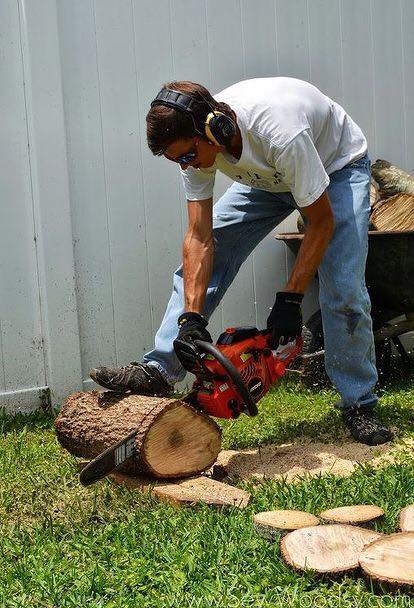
x,y
248,350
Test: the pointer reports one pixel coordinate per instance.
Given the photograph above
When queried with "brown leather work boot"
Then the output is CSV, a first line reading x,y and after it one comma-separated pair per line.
x,y
139,378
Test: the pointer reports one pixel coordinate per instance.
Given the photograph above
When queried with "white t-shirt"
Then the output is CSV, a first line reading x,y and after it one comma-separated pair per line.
x,y
293,137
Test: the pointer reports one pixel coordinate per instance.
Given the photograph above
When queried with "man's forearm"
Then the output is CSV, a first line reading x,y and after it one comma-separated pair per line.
x,y
309,257
198,258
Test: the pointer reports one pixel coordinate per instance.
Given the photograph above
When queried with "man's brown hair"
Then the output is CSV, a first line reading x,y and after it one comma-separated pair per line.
x,y
165,125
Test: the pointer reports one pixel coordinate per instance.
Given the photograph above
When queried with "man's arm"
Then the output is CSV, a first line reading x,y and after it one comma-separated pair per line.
x,y
319,231
198,254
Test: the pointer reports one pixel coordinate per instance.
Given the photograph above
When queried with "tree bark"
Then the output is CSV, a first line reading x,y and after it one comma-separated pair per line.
x,y
391,179
173,439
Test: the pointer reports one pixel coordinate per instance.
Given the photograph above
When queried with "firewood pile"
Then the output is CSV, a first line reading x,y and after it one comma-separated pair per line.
x,y
346,544
391,197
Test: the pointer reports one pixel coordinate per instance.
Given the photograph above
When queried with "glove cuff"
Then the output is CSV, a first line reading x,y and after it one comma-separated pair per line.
x,y
191,316
289,297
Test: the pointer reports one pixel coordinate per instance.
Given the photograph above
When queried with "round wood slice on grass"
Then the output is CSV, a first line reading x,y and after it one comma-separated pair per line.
x,y
326,549
407,519
390,559
173,439
355,514
270,523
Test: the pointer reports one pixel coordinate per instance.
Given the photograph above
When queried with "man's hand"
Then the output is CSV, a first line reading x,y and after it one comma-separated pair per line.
x,y
285,319
192,326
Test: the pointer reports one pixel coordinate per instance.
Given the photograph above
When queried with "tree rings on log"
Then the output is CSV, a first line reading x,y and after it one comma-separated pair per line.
x,y
269,524
394,214
172,438
355,514
188,491
326,549
407,519
390,559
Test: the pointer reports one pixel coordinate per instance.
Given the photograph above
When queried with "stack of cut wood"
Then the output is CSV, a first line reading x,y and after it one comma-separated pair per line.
x,y
344,545
392,198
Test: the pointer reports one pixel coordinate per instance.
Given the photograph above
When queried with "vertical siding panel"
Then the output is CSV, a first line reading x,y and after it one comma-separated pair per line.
x,y
121,145
22,364
260,57
407,19
292,38
87,183
325,47
386,19
154,64
358,82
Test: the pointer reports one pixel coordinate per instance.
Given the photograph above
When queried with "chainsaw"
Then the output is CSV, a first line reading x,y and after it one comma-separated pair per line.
x,y
231,377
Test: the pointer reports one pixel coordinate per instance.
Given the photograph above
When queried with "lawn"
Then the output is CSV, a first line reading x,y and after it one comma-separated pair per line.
x,y
64,546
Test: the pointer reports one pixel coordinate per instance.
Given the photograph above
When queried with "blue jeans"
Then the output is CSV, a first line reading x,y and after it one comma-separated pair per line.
x,y
241,219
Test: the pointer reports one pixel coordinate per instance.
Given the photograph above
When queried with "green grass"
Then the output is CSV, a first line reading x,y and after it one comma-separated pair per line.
x,y
64,546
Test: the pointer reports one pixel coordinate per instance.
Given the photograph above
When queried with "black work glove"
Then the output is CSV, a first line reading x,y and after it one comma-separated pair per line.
x,y
285,319
192,326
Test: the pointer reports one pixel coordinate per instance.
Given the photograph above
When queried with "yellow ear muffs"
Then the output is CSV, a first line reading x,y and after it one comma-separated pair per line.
x,y
209,126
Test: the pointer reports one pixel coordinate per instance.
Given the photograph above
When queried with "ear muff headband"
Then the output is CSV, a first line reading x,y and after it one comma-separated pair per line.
x,y
218,127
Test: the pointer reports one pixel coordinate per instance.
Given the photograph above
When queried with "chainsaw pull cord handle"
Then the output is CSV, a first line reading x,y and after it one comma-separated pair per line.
x,y
236,378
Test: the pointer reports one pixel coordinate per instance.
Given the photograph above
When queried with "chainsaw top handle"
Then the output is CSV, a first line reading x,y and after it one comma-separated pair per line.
x,y
236,378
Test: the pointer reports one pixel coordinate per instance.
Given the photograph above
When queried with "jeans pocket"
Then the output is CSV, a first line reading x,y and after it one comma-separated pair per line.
x,y
360,163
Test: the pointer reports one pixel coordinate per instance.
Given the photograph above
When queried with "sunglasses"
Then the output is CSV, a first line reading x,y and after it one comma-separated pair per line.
x,y
187,158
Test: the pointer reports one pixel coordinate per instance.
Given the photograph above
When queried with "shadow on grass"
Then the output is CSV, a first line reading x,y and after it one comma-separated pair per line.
x,y
38,420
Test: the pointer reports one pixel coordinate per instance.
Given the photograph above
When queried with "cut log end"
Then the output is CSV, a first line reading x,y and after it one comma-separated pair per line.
x,y
181,442
326,549
270,524
353,515
390,560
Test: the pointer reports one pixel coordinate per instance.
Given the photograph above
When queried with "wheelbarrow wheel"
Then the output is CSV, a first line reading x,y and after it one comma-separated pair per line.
x,y
313,362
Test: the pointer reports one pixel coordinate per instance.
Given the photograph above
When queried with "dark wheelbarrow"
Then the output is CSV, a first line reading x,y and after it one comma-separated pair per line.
x,y
390,281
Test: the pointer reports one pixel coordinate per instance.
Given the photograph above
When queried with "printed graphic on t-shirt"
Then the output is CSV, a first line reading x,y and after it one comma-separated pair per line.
x,y
261,182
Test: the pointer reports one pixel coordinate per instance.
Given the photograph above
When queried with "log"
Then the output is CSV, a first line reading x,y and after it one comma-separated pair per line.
x,y
354,515
394,214
326,549
374,195
270,524
391,179
173,439
188,492
407,519
390,560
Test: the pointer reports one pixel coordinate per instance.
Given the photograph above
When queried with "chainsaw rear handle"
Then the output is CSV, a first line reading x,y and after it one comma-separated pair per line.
x,y
236,378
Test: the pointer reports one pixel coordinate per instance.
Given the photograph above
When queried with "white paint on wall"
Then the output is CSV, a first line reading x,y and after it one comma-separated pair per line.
x,y
92,222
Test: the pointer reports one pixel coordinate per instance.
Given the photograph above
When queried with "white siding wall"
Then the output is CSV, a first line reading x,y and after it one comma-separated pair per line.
x,y
91,222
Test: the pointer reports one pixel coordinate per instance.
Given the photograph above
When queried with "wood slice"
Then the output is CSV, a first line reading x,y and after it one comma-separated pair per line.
x,y
395,213
407,519
270,523
188,491
327,548
391,179
173,439
354,515
390,559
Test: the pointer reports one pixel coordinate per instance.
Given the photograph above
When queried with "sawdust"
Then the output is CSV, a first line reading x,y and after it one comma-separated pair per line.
x,y
294,460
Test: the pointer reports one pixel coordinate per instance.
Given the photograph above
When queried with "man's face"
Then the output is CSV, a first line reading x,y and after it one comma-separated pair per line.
x,y
193,152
